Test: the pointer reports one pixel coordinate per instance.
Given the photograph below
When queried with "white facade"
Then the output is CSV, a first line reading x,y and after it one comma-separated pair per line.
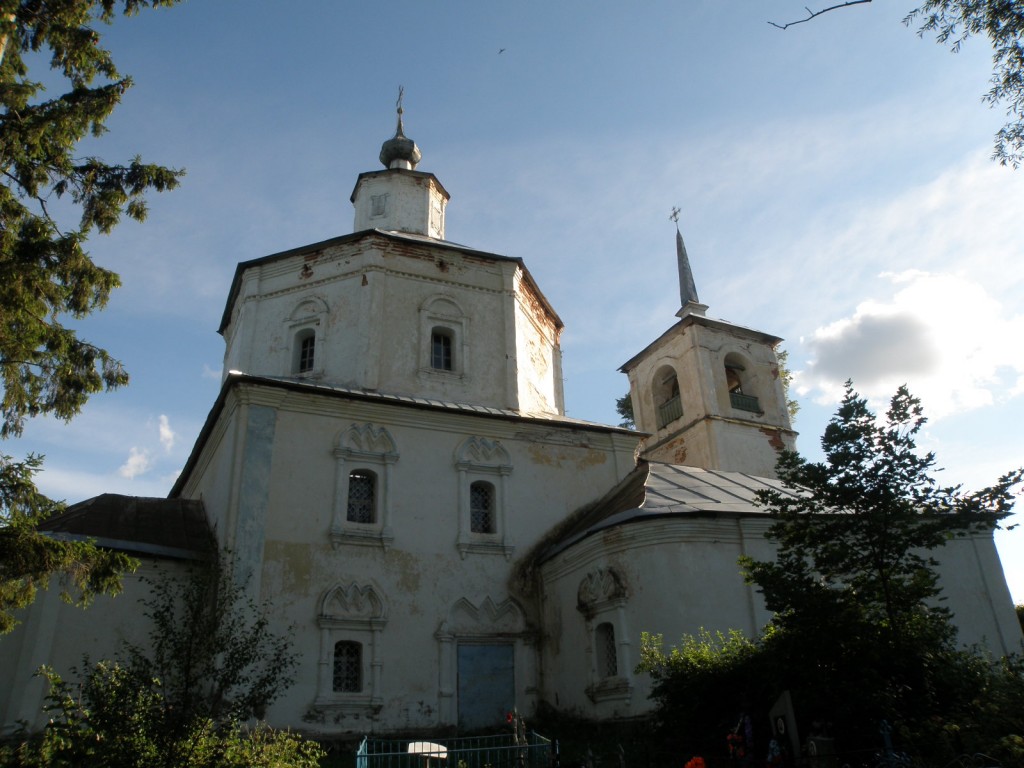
x,y
390,462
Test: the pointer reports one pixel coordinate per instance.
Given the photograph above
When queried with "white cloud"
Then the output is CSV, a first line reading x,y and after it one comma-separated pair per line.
x,y
211,373
942,334
139,462
167,436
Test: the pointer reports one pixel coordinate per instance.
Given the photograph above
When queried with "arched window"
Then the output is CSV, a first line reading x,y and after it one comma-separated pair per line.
x,y
667,403
441,349
305,347
305,329
481,507
362,497
444,341
304,351
735,380
348,667
604,647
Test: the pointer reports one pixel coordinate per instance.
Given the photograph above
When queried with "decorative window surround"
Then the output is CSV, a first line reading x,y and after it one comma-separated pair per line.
x,y
307,321
480,459
363,446
441,315
601,598
351,613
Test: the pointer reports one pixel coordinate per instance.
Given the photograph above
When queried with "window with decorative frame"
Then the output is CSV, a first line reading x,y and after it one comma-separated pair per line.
x,y
351,619
601,598
364,455
306,332
444,338
483,465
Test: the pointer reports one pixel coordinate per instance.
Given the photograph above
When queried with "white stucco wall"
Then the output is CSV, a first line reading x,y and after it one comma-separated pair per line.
x,y
680,575
59,635
712,433
439,583
373,303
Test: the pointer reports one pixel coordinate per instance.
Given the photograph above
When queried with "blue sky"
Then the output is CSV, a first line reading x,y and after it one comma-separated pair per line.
x,y
834,183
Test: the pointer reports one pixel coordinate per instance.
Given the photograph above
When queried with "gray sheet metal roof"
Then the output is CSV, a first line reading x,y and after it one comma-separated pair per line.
x,y
175,528
235,378
671,490
428,402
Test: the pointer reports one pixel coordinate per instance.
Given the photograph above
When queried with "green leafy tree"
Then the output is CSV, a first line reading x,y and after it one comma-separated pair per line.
x,y
624,407
792,406
212,648
860,540
28,560
46,275
703,684
859,632
854,586
952,22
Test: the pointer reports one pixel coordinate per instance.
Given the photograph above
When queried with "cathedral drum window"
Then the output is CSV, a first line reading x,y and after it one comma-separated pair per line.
x,y
441,349
444,339
307,351
305,331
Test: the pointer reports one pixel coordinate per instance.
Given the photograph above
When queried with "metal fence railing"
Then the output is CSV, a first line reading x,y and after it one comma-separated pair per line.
x,y
502,751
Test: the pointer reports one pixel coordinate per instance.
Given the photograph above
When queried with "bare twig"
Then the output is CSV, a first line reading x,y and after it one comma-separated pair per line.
x,y
812,14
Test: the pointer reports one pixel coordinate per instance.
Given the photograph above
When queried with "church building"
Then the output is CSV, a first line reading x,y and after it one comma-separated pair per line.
x,y
390,463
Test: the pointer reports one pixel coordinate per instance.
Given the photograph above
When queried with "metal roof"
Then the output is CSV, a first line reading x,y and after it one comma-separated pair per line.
x,y
672,490
174,528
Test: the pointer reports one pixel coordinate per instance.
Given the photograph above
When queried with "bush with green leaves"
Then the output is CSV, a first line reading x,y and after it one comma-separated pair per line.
x,y
116,719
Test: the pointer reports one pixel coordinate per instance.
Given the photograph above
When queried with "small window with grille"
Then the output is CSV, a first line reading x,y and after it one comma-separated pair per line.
x,y
607,656
348,667
362,496
481,507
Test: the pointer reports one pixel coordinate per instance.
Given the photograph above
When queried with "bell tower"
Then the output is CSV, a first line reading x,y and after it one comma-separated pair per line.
x,y
708,391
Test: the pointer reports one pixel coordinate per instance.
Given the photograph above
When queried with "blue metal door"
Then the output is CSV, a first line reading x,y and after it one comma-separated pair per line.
x,y
486,685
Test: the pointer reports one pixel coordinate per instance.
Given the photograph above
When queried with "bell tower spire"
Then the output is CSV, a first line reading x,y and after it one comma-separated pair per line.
x,y
689,304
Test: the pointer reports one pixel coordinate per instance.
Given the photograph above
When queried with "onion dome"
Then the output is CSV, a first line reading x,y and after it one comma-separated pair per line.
x,y
400,151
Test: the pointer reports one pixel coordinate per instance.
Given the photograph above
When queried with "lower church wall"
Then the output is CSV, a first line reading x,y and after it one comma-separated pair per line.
x,y
679,575
59,635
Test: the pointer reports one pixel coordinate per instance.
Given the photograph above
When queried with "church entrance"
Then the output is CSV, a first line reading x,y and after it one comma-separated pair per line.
x,y
486,685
